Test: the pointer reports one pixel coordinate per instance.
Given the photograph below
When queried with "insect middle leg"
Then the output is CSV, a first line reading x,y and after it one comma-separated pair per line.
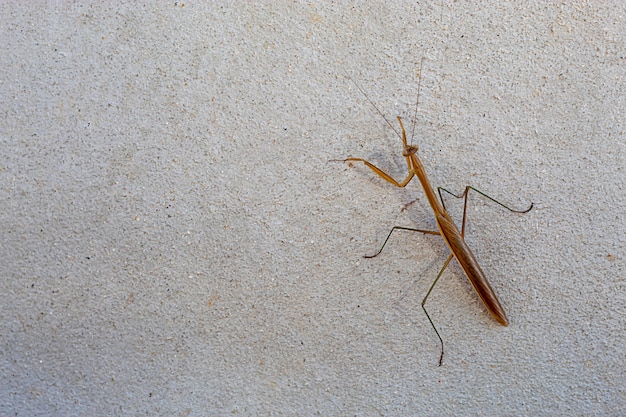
x,y
428,232
464,195
390,179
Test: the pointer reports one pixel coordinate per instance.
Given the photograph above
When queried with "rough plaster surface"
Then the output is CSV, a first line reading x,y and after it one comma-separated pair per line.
x,y
174,240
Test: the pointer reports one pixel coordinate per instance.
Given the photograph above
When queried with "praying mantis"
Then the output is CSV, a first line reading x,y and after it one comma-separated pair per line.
x,y
446,228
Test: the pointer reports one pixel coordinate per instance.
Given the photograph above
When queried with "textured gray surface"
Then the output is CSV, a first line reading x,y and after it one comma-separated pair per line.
x,y
175,242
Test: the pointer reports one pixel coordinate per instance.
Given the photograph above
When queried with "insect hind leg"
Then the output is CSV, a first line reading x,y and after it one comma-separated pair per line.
x,y
443,268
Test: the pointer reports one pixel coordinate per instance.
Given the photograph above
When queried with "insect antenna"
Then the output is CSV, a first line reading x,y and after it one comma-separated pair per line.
x,y
417,100
372,103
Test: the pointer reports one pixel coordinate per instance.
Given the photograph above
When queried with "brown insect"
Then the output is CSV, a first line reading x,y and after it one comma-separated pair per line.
x,y
447,229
